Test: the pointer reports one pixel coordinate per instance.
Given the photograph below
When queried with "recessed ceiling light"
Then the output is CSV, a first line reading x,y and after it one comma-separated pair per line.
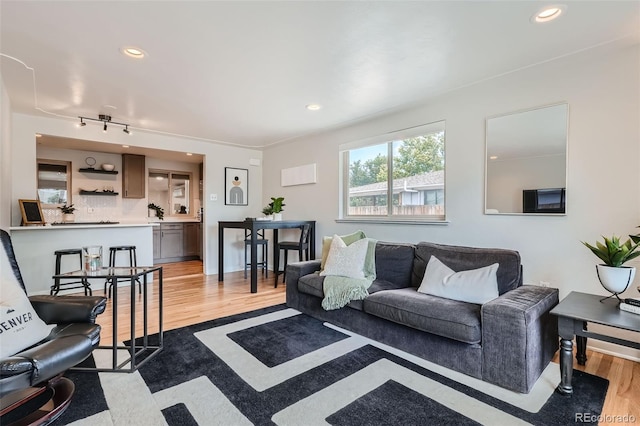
x,y
38,135
189,154
134,52
549,13
493,157
313,107
125,146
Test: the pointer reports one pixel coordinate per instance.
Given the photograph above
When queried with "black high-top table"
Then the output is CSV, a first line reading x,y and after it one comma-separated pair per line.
x,y
254,225
573,313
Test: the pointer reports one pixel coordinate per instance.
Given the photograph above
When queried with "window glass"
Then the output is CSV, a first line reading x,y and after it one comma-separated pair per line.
x,y
54,182
368,181
402,177
171,191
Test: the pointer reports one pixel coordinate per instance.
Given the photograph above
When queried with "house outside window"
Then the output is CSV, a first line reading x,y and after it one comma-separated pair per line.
x,y
396,176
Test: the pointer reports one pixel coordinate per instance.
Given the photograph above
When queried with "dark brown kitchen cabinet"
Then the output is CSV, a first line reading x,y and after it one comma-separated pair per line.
x,y
133,176
191,237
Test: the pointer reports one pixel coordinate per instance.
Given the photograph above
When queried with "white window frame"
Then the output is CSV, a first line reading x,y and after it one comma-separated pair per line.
x,y
388,138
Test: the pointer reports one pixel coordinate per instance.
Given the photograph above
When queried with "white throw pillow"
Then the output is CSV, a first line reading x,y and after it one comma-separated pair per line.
x,y
473,286
346,260
20,326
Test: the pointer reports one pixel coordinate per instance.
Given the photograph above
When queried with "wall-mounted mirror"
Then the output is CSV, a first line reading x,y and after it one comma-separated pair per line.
x,y
526,162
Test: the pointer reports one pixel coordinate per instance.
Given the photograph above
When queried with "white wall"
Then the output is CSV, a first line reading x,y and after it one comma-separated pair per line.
x,y
601,87
5,158
217,157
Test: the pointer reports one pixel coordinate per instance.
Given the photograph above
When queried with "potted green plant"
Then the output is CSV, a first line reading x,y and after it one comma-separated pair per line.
x,y
613,276
268,211
158,211
276,205
67,213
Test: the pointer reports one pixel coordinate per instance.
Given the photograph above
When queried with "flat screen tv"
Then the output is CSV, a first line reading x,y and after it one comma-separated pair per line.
x,y
548,200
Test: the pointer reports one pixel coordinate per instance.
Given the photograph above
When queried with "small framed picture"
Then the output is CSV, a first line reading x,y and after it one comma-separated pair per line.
x,y
236,185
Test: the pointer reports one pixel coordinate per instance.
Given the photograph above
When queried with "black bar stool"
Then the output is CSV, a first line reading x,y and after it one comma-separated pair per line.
x,y
261,241
56,287
133,262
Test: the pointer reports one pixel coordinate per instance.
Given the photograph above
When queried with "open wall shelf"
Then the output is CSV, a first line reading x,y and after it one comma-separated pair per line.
x,y
83,192
98,171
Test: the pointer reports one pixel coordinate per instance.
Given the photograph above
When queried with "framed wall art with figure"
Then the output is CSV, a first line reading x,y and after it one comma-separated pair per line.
x,y
236,184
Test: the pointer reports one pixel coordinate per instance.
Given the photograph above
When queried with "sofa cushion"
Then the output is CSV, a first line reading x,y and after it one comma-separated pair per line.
x,y
460,258
445,317
312,284
394,262
473,286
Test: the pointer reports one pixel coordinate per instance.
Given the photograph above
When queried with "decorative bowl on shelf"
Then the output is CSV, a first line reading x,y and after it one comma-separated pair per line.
x,y
108,167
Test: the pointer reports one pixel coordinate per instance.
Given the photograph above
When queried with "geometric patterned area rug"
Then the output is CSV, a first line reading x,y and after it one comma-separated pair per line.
x,y
278,366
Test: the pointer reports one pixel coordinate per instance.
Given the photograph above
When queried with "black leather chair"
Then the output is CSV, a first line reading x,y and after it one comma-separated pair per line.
x,y
37,370
301,246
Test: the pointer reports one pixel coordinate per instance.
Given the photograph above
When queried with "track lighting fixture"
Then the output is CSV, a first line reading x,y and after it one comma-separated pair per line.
x,y
104,119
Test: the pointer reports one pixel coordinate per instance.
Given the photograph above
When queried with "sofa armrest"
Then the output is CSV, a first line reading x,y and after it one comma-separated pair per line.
x,y
294,272
68,309
519,336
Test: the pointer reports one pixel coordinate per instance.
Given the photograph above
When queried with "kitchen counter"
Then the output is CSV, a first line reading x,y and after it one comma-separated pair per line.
x,y
80,225
34,247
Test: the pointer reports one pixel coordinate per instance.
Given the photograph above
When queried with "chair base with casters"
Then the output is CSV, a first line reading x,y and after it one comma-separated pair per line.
x,y
58,283
301,246
32,390
133,262
260,242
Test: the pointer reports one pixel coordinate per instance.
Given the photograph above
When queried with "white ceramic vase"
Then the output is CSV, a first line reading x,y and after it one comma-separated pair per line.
x,y
616,279
277,216
68,217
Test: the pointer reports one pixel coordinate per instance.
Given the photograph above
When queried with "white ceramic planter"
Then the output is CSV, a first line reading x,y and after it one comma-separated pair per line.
x,y
68,217
277,216
616,280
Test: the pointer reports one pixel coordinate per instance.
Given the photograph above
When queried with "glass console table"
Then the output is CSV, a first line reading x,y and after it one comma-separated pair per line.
x,y
139,351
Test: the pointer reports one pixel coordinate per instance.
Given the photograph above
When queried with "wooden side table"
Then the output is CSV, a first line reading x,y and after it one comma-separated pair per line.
x,y
574,312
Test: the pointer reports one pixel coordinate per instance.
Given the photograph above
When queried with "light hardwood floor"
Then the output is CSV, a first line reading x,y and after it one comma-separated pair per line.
x,y
191,297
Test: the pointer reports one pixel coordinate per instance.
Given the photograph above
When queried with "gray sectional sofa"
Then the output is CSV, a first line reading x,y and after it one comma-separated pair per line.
x,y
507,341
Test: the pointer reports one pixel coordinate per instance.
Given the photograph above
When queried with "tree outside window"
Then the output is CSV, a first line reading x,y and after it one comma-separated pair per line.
x,y
417,184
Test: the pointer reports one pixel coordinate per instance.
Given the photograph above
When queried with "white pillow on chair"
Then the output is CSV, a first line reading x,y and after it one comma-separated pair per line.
x,y
20,326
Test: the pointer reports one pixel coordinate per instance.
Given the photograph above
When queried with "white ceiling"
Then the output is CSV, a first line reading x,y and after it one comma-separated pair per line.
x,y
242,72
